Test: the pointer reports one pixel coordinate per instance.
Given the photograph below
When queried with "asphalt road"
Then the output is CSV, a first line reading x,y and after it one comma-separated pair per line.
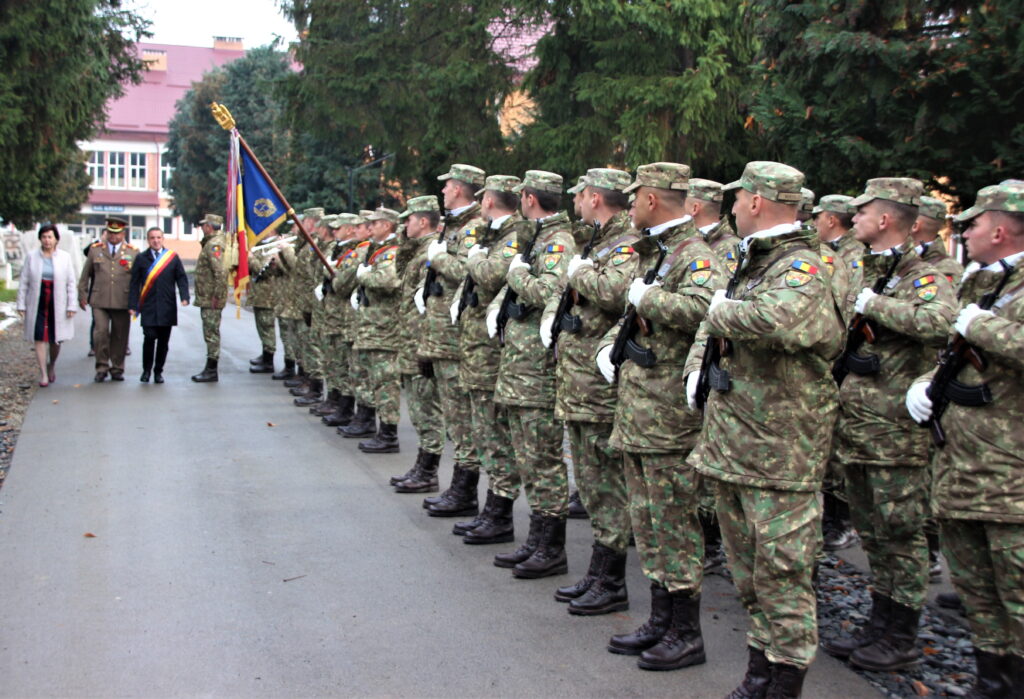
x,y
214,540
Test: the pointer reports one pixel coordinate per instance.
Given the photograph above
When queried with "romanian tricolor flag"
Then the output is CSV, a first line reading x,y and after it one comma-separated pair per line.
x,y
699,264
805,267
924,281
555,248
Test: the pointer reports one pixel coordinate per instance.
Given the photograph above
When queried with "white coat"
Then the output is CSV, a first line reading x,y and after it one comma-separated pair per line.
x,y
65,293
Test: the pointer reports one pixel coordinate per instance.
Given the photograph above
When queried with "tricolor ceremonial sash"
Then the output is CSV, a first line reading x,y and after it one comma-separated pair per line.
x,y
158,266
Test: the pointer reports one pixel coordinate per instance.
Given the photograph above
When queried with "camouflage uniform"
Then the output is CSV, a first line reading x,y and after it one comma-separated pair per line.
x,y
934,252
286,307
211,290
377,331
978,493
261,296
766,440
584,400
344,285
337,347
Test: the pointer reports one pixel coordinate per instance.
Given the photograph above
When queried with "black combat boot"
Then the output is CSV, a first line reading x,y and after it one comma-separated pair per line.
x,y
608,593
446,495
424,480
311,397
934,564
714,554
328,405
342,414
364,424
842,535
651,631
549,557
420,455
384,442
787,681
461,500
682,645
208,374
864,635
298,380
951,600
995,675
576,508
460,528
496,527
287,373
265,364
258,359
511,560
896,648
759,676
568,593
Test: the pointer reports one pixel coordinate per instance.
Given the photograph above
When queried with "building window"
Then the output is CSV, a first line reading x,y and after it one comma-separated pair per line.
x,y
165,173
168,225
115,173
96,169
136,171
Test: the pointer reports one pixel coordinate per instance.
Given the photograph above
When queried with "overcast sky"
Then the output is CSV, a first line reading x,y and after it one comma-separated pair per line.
x,y
196,22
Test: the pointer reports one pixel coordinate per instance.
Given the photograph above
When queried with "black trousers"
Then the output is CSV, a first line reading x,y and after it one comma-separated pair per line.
x,y
158,336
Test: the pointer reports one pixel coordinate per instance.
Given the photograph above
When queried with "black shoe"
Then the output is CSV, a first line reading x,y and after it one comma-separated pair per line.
x,y
576,508
896,648
460,499
995,675
312,396
116,377
385,442
759,676
145,376
158,377
364,424
570,592
496,526
787,681
549,557
287,373
682,645
952,601
511,560
608,592
424,480
651,631
100,377
264,364
342,414
395,480
865,635
208,374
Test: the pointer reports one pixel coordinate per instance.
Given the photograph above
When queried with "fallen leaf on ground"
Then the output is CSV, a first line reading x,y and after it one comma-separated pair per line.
x,y
270,424
55,402
77,385
89,535
921,688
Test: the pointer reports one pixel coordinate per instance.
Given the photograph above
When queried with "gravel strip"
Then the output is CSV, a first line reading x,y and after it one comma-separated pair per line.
x,y
18,378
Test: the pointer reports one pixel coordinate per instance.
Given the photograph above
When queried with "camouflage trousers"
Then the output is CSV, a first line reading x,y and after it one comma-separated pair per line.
x,y
265,328
315,343
337,357
601,481
455,407
834,482
424,411
359,377
211,331
493,446
888,507
289,337
385,384
770,537
536,438
301,344
663,493
986,565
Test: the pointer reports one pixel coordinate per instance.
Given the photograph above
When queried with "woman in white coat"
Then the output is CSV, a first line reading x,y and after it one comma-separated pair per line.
x,y
47,294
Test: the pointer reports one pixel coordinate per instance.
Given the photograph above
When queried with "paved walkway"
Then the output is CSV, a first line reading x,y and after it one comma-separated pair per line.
x,y
240,548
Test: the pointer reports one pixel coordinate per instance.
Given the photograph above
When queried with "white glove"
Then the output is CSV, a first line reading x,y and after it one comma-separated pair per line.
x,y
517,262
477,250
718,299
354,299
454,311
492,323
692,381
576,262
435,248
637,290
863,297
417,298
362,271
604,363
968,314
919,405
318,291
545,330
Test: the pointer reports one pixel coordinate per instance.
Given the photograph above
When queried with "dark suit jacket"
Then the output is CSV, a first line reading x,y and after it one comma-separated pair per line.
x,y
160,307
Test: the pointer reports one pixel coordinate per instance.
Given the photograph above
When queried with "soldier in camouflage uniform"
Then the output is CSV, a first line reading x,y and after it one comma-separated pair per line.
x,y
422,218
286,309
325,318
806,211
440,342
337,343
487,263
584,400
653,427
211,291
978,492
262,292
767,433
312,395
298,261
882,453
526,375
377,301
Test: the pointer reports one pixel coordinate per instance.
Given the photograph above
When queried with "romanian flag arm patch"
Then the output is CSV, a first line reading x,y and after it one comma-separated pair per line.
x,y
805,267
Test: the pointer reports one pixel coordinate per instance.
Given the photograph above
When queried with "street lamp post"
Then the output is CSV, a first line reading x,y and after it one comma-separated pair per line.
x,y
352,177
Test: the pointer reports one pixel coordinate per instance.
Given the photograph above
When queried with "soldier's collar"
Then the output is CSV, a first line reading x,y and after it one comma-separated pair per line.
x,y
774,232
704,230
662,227
461,210
497,222
975,267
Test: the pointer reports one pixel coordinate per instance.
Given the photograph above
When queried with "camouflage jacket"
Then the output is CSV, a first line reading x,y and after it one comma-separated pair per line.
x,y
526,374
979,475
582,393
934,253
723,241
377,327
211,273
411,266
848,248
840,275
336,309
478,369
774,427
344,285
441,339
261,278
651,415
911,318
289,289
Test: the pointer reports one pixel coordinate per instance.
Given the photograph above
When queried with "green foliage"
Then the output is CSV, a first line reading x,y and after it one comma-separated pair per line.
x,y
862,88
7,295
61,61
197,146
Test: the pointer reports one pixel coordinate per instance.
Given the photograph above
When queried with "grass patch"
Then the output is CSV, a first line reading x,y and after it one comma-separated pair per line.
x,y
7,294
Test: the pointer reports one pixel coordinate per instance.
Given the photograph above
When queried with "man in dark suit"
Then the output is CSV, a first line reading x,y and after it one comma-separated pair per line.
x,y
155,273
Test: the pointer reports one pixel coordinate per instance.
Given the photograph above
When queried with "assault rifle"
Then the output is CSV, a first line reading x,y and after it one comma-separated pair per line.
x,y
570,297
469,298
944,388
625,345
711,375
510,308
859,330
432,287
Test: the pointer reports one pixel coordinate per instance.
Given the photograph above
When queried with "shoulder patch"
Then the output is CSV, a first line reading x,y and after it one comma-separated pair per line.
x,y
731,262
469,237
924,281
621,254
805,267
795,278
830,262
927,293
855,264
949,278
555,249
511,248
217,250
551,261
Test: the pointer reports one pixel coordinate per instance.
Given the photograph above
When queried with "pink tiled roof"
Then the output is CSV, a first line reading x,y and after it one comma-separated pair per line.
x,y
516,43
147,108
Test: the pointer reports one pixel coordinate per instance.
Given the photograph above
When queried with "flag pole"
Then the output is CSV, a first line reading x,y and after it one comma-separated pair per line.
x,y
227,122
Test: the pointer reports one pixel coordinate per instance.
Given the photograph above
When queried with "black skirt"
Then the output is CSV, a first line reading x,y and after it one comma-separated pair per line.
x,y
45,324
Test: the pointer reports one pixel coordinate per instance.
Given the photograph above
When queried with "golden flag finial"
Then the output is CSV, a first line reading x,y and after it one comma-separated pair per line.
x,y
223,116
